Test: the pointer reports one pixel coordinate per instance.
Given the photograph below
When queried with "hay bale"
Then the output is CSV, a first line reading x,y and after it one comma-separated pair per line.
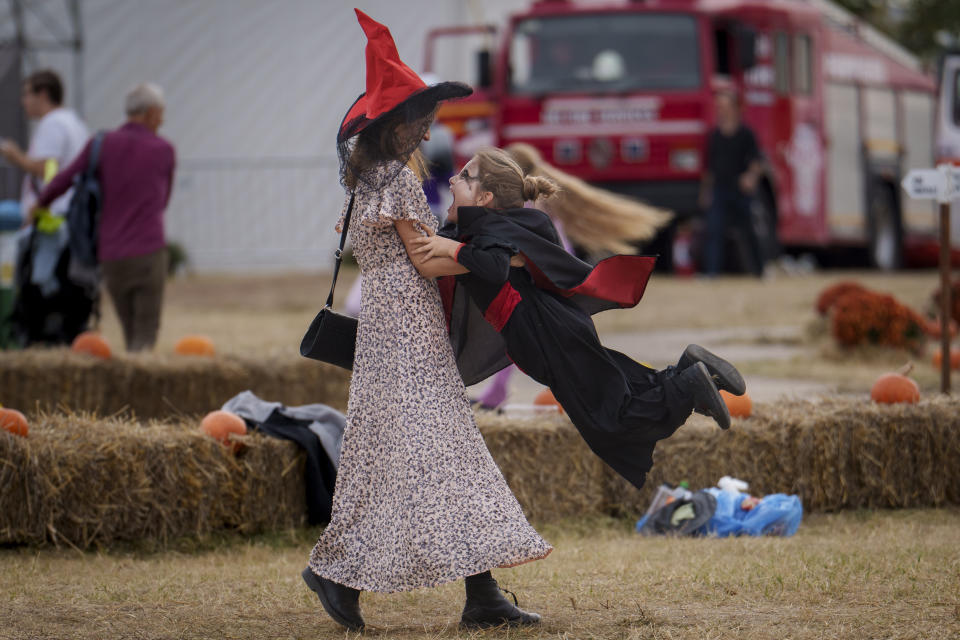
x,y
835,453
85,482
547,465
158,385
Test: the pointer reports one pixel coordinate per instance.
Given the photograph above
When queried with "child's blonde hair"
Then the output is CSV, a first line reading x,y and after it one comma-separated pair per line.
x,y
502,176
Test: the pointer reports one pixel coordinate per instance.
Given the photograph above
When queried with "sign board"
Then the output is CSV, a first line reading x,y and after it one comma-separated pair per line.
x,y
941,184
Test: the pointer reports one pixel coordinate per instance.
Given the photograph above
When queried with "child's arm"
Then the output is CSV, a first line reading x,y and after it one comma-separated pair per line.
x,y
428,267
489,263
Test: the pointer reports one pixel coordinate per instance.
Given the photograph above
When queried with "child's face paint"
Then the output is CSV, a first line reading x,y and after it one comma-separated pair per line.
x,y
465,187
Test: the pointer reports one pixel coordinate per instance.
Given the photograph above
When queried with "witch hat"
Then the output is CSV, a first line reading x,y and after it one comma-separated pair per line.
x,y
393,88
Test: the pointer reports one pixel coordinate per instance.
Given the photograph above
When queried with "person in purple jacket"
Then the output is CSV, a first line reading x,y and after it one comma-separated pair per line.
x,y
135,172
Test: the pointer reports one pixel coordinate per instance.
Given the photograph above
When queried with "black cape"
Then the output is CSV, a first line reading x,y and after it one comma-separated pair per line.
x,y
539,318
615,282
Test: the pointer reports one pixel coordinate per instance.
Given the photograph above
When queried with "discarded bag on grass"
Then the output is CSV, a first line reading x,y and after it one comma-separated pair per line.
x,y
777,514
687,516
725,513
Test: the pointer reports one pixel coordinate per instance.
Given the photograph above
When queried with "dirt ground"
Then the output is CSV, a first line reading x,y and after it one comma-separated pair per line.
x,y
888,574
768,328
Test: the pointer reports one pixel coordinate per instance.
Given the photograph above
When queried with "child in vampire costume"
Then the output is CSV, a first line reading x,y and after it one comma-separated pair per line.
x,y
418,500
538,316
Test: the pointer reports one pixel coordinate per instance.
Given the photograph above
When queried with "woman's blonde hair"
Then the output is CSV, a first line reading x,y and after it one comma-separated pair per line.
x,y
502,176
593,218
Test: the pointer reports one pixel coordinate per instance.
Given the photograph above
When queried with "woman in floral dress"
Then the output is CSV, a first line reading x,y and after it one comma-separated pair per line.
x,y
418,501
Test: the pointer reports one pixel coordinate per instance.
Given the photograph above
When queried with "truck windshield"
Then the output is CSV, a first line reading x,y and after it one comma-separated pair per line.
x,y
607,52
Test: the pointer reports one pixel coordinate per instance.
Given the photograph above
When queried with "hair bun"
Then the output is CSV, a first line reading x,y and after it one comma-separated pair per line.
x,y
536,187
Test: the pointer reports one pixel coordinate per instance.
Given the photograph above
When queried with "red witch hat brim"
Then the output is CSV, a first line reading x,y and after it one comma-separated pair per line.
x,y
392,86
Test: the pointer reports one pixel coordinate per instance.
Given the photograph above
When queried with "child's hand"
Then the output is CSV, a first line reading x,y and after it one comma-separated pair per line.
x,y
435,246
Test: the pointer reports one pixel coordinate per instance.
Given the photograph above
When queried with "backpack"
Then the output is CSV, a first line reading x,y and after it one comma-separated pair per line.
x,y
83,221
701,506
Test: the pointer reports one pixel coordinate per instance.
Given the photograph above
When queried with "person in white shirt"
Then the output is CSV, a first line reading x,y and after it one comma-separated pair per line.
x,y
58,135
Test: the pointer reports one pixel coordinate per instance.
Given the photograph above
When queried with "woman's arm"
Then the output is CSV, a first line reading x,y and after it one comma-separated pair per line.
x,y
428,267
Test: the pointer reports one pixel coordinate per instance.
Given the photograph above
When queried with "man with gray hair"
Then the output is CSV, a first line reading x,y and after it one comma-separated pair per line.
x,y
135,173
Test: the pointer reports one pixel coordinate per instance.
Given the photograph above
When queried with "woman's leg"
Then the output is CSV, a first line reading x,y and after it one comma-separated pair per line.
x,y
487,607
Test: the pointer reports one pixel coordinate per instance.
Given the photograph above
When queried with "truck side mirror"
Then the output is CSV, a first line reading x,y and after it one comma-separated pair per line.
x,y
746,47
484,75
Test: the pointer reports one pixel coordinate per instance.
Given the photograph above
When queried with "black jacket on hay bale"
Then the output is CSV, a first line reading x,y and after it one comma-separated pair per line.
x,y
86,482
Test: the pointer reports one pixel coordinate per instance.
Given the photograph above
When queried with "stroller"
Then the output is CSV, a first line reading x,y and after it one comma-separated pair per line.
x,y
50,307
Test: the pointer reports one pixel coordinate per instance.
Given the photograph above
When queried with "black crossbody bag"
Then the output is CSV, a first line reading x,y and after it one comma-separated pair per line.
x,y
332,336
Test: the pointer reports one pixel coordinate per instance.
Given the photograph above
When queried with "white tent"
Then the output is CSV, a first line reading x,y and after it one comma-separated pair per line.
x,y
255,92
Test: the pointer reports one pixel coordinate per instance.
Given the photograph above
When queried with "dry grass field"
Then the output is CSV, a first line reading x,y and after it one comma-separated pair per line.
x,y
886,574
245,313
267,314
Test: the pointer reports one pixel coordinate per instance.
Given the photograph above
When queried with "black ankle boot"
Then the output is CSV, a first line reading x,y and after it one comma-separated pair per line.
x,y
340,602
696,381
486,607
725,375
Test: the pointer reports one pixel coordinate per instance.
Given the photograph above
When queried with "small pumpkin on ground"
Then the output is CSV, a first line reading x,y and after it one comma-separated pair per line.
x,y
194,345
893,388
546,399
92,343
954,358
15,422
738,406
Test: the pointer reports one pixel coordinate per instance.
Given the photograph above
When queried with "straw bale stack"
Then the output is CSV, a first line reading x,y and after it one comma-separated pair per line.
x,y
547,465
84,482
158,385
835,453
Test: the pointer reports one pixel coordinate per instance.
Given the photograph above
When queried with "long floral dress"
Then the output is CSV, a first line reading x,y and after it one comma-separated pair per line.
x,y
418,501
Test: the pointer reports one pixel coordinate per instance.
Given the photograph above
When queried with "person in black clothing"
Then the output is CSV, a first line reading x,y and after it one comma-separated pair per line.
x,y
535,300
729,182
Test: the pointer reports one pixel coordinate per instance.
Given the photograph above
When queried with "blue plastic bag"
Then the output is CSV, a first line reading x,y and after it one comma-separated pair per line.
x,y
777,514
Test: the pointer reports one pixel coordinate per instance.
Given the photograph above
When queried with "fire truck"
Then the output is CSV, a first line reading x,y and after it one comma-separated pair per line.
x,y
621,94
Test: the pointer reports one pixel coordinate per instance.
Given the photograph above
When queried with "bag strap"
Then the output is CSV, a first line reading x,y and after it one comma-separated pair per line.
x,y
339,252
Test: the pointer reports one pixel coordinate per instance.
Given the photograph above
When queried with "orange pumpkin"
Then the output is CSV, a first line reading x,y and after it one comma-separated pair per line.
x,y
220,424
954,358
892,388
546,399
92,343
15,422
738,406
194,346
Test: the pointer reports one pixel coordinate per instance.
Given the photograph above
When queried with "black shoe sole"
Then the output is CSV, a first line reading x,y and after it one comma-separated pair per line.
x,y
710,400
728,378
317,587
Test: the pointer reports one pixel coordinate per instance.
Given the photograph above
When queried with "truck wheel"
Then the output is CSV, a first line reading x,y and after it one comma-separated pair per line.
x,y
885,239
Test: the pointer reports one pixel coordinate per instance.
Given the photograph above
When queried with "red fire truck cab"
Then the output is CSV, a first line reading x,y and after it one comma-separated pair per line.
x,y
621,95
